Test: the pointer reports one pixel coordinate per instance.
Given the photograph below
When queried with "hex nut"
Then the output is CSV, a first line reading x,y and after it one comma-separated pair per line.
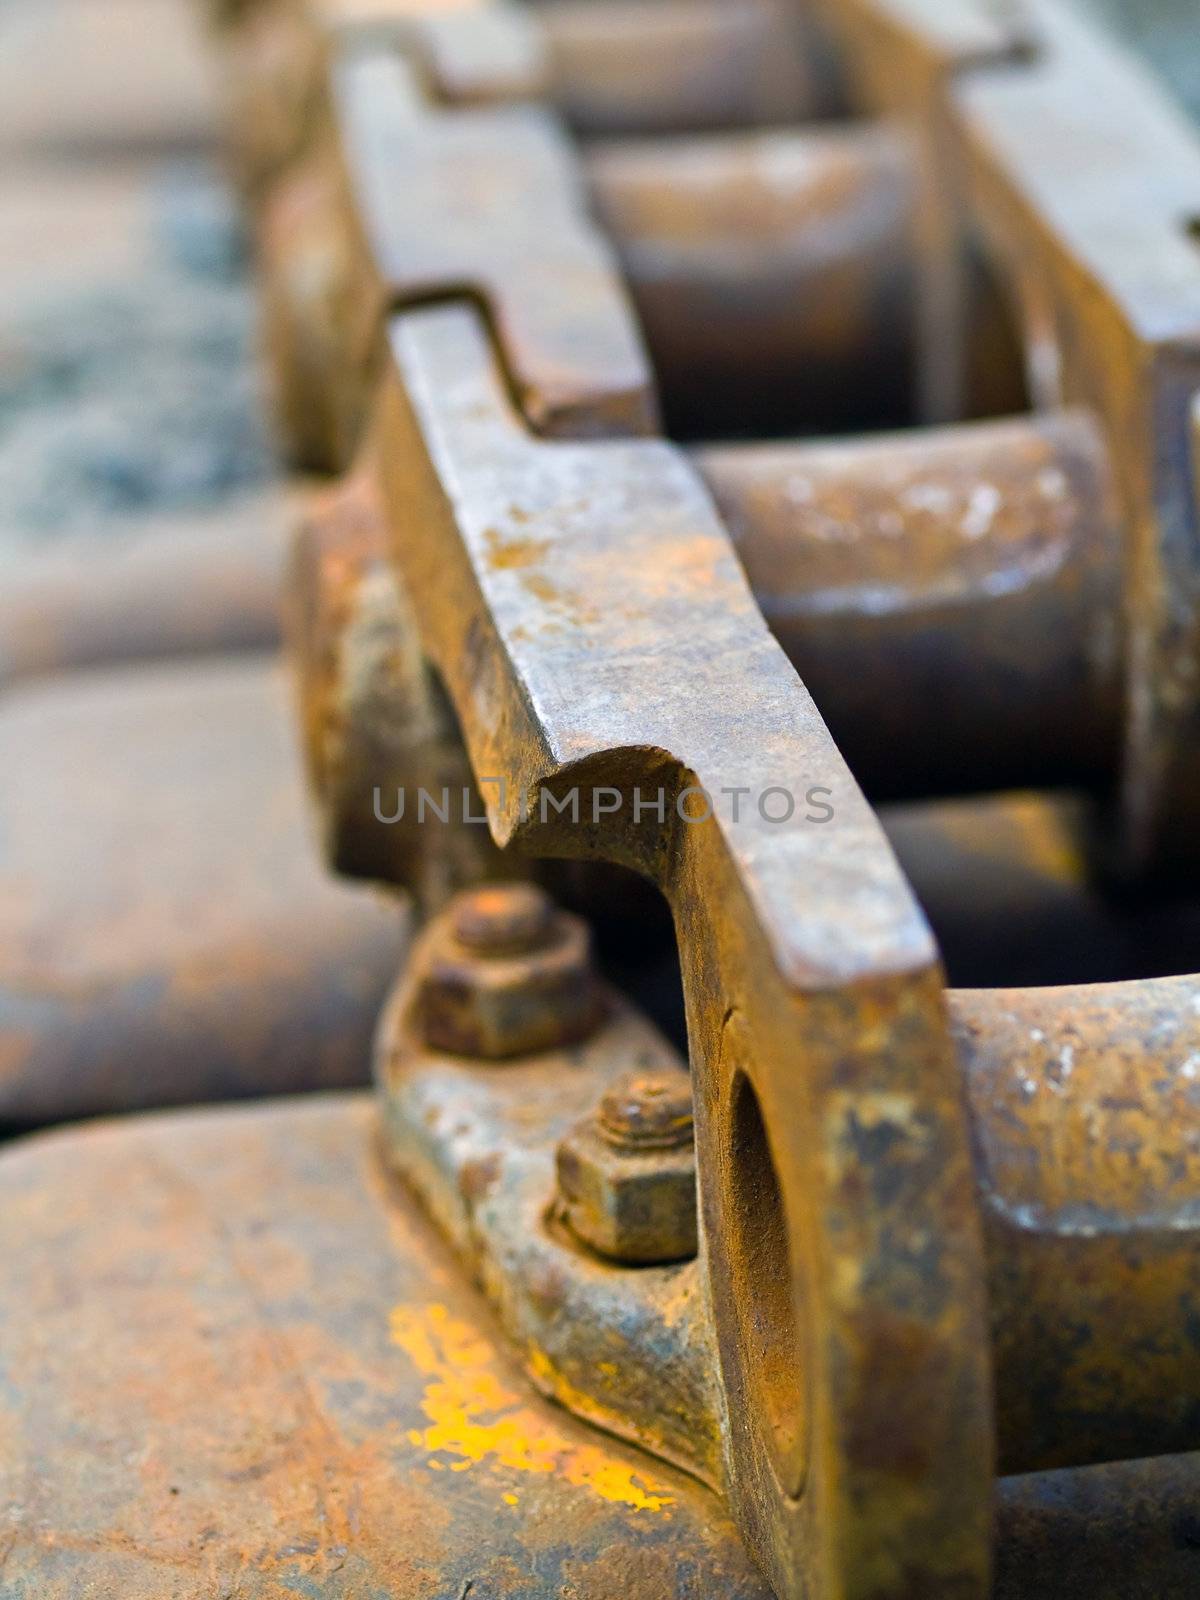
x,y
506,1002
632,1202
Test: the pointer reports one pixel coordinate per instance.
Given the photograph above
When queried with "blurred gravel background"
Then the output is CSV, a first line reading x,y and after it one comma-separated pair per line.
x,y
137,395
128,396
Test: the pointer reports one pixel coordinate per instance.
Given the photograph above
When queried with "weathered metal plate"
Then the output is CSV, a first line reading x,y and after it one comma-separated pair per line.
x,y
1130,1531
487,201
237,1363
632,1351
198,585
1090,217
265,1378
827,1100
166,932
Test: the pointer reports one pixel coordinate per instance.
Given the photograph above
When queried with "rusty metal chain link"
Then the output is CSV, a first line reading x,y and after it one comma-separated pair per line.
x,y
940,1232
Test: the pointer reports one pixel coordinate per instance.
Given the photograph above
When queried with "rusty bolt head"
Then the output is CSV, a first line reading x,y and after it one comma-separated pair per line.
x,y
510,919
627,1175
648,1111
504,973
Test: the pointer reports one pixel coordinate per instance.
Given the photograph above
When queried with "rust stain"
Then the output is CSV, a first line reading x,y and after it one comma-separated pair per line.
x,y
542,589
522,554
507,555
475,1419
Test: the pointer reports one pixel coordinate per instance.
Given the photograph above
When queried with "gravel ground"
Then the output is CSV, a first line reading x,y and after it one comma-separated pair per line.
x,y
131,397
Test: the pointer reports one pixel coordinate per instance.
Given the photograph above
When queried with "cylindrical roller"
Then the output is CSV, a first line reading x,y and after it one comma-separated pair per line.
x,y
165,936
950,598
683,65
1085,1113
772,274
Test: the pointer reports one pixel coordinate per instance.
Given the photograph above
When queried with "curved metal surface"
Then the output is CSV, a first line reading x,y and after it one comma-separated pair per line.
x,y
817,1032
267,1377
772,272
1112,317
165,936
1084,1107
950,597
238,1361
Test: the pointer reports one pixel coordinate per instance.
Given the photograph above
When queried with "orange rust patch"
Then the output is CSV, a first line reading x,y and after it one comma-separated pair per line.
x,y
476,1419
505,555
541,588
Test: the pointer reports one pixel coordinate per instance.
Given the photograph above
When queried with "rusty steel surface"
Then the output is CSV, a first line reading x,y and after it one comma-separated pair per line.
x,y
580,605
478,1140
266,1377
365,709
1083,1106
396,203
166,937
951,599
772,273
285,1386
935,1234
900,56
420,180
374,724
489,988
206,585
278,52
1085,1121
1088,228
1114,321
813,1021
720,240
